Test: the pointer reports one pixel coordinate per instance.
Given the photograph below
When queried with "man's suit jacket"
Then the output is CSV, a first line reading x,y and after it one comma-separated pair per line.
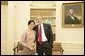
x,y
48,33
69,20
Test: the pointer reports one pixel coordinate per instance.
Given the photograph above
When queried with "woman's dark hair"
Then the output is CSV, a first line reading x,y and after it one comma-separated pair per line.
x,y
31,21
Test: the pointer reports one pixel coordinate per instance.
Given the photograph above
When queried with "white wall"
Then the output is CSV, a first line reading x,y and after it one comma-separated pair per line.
x,y
4,16
68,36
11,27
22,18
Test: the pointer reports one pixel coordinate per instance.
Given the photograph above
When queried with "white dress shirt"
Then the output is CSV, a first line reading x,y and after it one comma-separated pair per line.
x,y
43,34
72,17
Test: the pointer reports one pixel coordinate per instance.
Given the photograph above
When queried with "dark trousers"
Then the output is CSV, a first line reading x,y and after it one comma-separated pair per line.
x,y
44,48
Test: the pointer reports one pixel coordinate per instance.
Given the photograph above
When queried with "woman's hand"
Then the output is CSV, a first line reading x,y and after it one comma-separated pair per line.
x,y
31,48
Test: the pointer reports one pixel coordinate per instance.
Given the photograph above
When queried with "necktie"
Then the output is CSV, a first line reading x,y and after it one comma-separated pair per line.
x,y
40,35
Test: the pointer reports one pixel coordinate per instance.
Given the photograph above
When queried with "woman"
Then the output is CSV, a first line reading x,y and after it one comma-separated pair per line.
x,y
28,39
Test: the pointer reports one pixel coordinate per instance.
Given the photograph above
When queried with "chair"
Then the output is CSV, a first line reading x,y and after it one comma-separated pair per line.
x,y
18,48
57,48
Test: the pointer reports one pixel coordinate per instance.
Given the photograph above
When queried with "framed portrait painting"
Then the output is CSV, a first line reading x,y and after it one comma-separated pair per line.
x,y
73,15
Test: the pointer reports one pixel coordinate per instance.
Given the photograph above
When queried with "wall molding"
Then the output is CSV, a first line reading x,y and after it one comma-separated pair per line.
x,y
73,48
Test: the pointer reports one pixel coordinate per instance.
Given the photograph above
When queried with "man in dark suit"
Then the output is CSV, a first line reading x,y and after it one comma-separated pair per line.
x,y
44,37
71,19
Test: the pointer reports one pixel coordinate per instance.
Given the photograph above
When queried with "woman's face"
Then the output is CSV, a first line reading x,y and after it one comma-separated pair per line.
x,y
31,25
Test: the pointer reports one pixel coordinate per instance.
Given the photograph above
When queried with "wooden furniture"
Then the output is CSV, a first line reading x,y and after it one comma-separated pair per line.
x,y
16,49
57,48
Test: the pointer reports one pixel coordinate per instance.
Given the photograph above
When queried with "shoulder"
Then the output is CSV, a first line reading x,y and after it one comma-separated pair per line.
x,y
46,24
25,31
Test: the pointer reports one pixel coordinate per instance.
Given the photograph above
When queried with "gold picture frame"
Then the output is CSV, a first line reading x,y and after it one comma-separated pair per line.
x,y
70,20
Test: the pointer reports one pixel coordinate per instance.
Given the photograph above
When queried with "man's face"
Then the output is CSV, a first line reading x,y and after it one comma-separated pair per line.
x,y
71,11
39,19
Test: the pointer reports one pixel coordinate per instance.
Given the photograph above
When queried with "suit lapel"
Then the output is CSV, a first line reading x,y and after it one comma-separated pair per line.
x,y
44,26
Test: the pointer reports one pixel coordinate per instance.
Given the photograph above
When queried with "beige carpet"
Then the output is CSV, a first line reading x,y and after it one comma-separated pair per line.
x,y
54,53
